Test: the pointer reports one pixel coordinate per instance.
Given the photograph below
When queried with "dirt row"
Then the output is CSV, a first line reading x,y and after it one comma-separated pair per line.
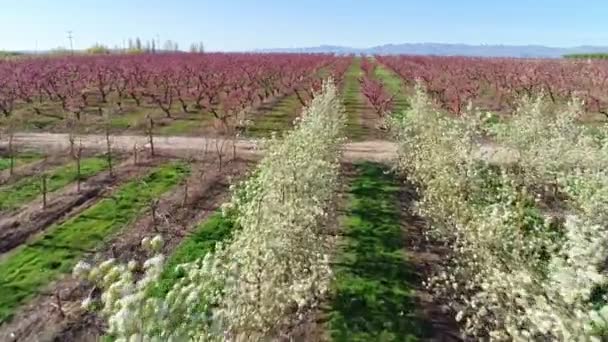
x,y
425,255
176,216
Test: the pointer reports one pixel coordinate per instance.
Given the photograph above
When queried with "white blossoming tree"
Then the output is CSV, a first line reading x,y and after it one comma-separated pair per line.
x,y
517,270
273,269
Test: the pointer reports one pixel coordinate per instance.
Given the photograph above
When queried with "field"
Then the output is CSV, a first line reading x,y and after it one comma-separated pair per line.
x,y
302,197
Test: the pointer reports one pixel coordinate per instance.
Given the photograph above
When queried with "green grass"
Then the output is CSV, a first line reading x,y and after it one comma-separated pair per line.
x,y
27,269
394,85
20,159
373,287
37,123
353,101
180,124
185,124
15,195
279,118
128,120
215,229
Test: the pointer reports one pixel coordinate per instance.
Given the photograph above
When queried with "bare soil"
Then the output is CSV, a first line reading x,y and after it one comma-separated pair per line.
x,y
425,256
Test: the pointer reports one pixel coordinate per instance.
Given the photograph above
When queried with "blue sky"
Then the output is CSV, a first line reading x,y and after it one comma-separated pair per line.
x,y
242,25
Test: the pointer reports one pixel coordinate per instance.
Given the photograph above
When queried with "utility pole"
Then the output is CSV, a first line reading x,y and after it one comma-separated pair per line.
x,y
70,37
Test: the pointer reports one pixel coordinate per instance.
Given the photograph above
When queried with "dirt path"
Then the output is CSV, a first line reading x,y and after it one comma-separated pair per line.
x,y
378,150
424,256
372,150
39,320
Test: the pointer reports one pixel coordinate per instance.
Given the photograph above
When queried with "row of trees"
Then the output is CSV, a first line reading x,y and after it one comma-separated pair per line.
x,y
526,233
221,84
134,46
374,91
275,267
149,46
498,83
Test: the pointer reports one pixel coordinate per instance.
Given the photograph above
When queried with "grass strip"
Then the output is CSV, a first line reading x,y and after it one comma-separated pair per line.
x,y
20,159
394,86
215,229
372,291
15,195
353,103
27,269
279,118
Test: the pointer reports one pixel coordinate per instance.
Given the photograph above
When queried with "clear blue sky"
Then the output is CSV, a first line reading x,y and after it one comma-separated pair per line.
x,y
242,25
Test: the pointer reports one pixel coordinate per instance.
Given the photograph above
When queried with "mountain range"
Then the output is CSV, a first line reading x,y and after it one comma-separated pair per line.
x,y
441,49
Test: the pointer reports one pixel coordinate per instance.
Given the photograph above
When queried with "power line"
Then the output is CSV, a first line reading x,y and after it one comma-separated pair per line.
x,y
70,37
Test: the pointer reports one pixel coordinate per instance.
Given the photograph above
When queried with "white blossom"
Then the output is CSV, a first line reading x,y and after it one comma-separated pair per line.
x,y
512,275
275,263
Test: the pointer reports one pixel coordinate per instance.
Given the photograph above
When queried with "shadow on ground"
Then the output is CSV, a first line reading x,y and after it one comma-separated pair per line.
x,y
373,291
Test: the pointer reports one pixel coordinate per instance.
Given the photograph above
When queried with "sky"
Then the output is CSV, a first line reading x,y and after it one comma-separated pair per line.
x,y
240,25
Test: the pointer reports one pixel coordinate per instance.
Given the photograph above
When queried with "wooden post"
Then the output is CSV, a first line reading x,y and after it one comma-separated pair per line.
x,y
185,200
109,152
78,156
151,135
44,190
153,209
11,152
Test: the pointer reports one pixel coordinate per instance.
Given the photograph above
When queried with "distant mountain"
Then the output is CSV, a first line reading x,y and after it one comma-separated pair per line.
x,y
440,49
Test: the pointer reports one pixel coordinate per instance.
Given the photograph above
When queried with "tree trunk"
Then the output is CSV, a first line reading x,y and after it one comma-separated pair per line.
x,y
185,200
151,135
78,168
184,106
167,111
136,99
11,154
153,209
300,98
109,152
